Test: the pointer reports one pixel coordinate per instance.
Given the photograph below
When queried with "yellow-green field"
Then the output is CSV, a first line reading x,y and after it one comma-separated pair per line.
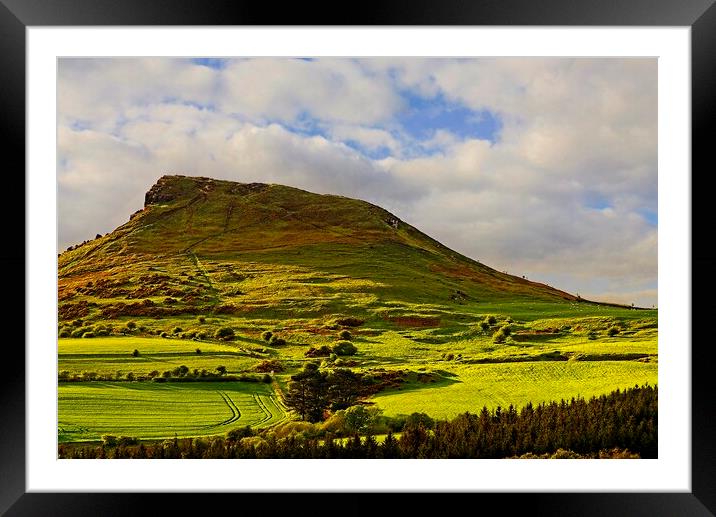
x,y
148,410
206,256
502,384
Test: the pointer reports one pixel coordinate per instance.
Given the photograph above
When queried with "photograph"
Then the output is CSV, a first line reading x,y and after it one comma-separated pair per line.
x,y
357,257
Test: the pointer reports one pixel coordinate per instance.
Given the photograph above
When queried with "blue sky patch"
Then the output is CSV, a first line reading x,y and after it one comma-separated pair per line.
x,y
211,62
424,116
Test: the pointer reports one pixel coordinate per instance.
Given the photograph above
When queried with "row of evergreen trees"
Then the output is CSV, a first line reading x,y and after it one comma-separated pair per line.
x,y
623,420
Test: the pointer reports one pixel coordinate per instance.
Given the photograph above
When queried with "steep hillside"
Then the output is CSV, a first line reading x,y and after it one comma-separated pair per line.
x,y
201,245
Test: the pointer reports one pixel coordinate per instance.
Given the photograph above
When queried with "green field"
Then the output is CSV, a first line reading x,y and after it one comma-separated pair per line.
x,y
111,355
502,384
147,410
205,255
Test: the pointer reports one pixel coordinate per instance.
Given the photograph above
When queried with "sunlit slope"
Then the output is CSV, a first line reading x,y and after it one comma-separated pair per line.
x,y
254,245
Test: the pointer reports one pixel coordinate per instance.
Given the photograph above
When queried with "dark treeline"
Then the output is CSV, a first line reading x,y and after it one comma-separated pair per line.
x,y
621,424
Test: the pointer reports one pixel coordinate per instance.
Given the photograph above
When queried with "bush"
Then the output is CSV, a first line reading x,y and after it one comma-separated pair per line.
x,y
613,331
506,330
176,330
135,353
198,351
164,334
592,335
130,376
344,334
322,351
266,336
131,325
484,325
88,334
344,348
109,440
490,320
266,379
202,335
201,319
224,333
64,333
350,322
277,341
272,365
499,337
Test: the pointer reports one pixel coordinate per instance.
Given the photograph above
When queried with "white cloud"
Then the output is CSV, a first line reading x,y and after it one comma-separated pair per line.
x,y
556,197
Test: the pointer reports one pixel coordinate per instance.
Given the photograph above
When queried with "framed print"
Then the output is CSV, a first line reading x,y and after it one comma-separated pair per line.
x,y
269,243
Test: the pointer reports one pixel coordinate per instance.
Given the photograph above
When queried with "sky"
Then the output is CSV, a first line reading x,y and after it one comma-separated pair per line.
x,y
543,167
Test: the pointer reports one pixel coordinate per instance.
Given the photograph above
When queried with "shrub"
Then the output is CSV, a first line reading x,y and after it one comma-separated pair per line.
x,y
130,376
103,332
613,331
277,341
344,334
198,351
88,334
201,319
322,351
266,335
266,379
164,334
491,320
221,370
272,365
484,325
135,353
350,322
64,333
506,330
592,335
176,330
131,325
153,373
109,440
202,335
499,337
224,333
344,348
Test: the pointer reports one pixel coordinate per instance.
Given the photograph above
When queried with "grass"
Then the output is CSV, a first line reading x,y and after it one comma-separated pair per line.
x,y
111,354
257,258
150,411
493,385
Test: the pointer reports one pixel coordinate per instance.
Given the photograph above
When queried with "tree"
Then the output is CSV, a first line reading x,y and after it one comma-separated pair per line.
x,y
359,418
135,353
131,325
308,393
266,335
344,387
221,369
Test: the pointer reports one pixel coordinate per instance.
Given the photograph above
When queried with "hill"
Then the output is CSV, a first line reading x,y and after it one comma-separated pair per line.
x,y
212,244
215,289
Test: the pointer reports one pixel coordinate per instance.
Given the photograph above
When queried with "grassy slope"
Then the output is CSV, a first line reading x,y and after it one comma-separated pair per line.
x,y
268,257
147,410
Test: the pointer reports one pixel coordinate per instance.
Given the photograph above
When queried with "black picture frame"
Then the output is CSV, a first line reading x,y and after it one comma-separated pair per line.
x,y
700,15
